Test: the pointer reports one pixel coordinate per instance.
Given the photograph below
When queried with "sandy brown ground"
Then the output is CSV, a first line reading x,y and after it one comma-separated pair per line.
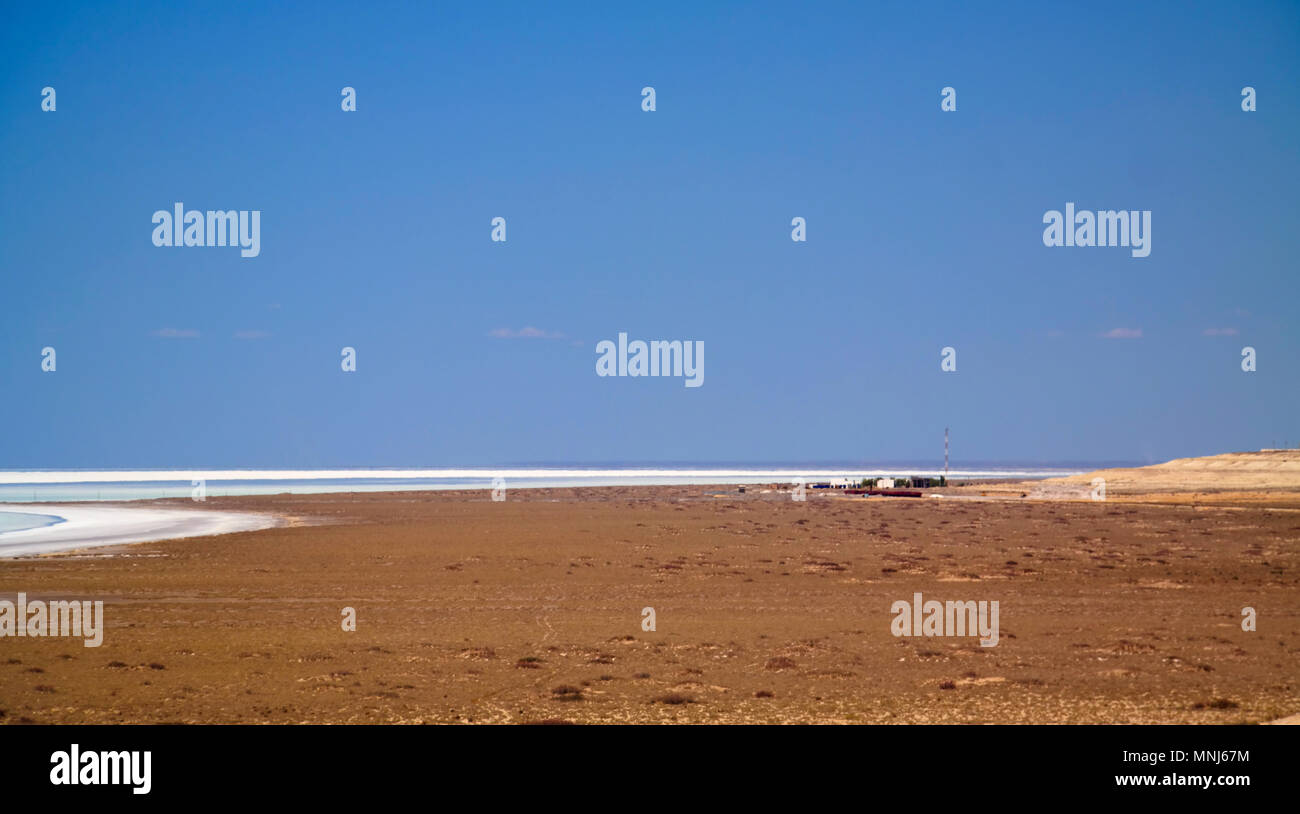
x,y
1236,478
767,610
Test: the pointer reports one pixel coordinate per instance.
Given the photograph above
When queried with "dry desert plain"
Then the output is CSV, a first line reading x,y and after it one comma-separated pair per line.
x,y
766,609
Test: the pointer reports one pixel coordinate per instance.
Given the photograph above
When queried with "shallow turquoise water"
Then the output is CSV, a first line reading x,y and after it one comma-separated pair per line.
x,y
19,521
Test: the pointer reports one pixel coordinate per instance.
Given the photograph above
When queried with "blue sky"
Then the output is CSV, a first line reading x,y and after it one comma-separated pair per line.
x,y
924,231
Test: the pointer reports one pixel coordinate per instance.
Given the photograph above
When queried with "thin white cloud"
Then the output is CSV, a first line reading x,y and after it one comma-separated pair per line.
x,y
1123,333
524,333
1219,332
252,334
176,333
